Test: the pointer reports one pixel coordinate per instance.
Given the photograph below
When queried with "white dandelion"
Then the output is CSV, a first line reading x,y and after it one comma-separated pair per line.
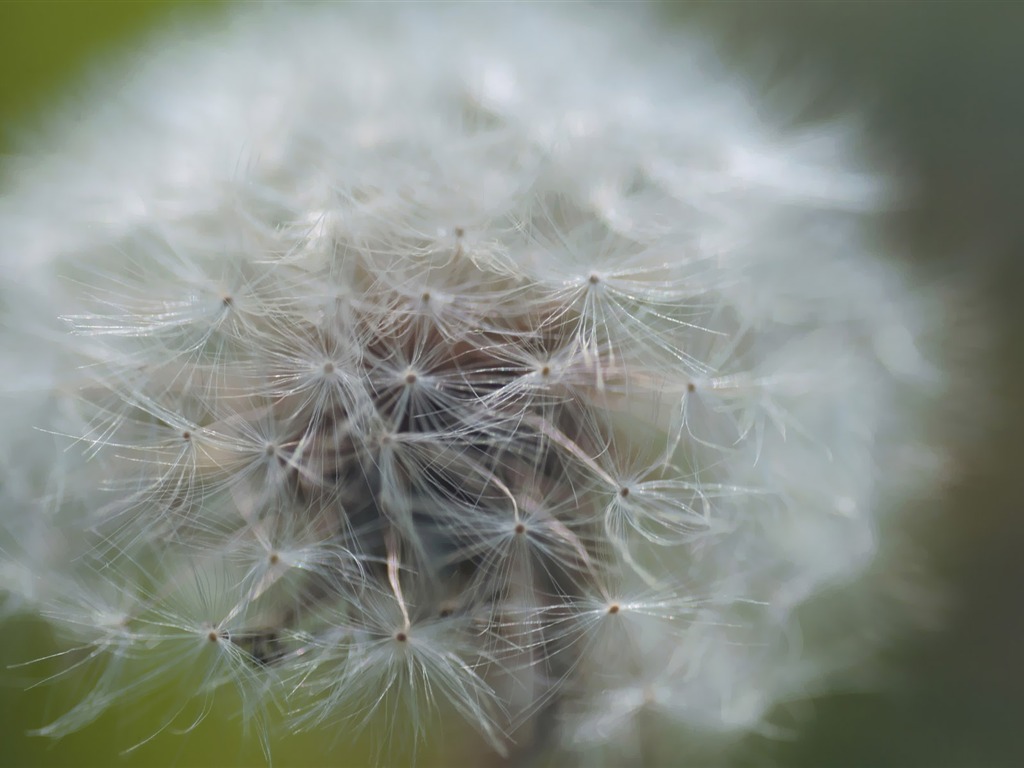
x,y
496,361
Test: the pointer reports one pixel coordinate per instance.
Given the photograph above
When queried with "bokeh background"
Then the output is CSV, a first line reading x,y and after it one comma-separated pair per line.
x,y
940,84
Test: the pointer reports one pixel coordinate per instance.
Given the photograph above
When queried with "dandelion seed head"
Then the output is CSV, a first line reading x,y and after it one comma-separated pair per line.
x,y
487,360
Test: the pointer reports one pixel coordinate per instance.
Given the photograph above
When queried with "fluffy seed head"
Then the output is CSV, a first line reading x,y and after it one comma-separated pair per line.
x,y
494,360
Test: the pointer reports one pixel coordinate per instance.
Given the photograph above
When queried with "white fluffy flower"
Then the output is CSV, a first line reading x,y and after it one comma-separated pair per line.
x,y
496,359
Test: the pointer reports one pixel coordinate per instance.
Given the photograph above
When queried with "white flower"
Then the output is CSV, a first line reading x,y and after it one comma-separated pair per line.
x,y
493,358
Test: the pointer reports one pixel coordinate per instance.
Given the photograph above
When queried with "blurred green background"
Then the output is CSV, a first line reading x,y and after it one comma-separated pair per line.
x,y
941,85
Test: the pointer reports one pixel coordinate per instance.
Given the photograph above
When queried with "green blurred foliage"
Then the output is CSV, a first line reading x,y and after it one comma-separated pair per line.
x,y
42,42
